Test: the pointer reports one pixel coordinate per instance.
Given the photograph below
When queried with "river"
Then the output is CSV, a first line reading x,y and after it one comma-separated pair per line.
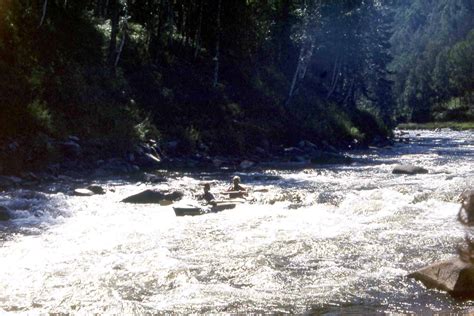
x,y
333,239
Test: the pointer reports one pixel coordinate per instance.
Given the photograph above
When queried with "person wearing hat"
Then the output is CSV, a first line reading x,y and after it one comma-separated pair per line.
x,y
236,190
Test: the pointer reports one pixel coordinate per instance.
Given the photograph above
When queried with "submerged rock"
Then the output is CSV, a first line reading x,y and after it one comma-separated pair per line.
x,y
4,214
151,196
408,169
453,276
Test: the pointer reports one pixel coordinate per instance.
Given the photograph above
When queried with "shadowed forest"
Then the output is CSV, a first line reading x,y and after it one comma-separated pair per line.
x,y
227,77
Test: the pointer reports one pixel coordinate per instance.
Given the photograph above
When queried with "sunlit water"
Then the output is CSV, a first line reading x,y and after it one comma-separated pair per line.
x,y
335,239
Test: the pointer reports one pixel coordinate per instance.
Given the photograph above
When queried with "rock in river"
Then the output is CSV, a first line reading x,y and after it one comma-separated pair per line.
x,y
453,276
408,169
151,196
4,214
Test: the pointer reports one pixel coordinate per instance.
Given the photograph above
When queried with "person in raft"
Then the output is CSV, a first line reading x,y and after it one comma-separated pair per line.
x,y
236,190
207,195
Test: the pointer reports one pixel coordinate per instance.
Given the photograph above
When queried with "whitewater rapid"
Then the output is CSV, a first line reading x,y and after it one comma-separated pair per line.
x,y
325,239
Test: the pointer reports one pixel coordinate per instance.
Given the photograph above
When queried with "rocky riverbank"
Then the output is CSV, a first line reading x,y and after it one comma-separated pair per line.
x,y
75,157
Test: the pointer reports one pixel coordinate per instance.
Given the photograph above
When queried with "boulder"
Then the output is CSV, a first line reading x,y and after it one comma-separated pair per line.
x,y
453,276
96,189
408,169
153,178
324,157
71,149
151,196
466,213
307,144
246,164
4,214
6,182
148,160
83,192
467,198
217,163
74,138
293,151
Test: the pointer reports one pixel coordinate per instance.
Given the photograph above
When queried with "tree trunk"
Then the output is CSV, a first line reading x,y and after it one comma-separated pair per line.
x,y
197,40
43,16
114,21
218,39
122,43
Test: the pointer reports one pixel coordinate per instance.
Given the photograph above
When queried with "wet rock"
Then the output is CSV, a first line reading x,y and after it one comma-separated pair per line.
x,y
260,151
83,192
305,144
30,176
468,201
148,160
114,165
152,196
217,162
96,189
408,169
293,151
466,213
246,164
324,157
4,214
7,182
130,157
171,147
71,149
74,138
453,276
153,178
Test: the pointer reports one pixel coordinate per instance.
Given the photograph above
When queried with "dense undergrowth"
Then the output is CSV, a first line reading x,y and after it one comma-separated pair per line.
x,y
56,81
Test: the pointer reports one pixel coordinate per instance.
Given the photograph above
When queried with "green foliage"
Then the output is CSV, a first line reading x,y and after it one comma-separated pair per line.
x,y
124,71
433,49
41,116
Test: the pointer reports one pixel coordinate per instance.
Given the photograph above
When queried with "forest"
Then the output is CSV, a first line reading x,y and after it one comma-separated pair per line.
x,y
227,77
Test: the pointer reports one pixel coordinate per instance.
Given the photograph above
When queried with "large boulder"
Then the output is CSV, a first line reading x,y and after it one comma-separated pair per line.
x,y
148,160
408,169
96,189
152,196
4,214
453,276
71,149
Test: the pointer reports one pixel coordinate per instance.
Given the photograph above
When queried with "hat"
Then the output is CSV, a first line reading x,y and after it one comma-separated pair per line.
x,y
236,178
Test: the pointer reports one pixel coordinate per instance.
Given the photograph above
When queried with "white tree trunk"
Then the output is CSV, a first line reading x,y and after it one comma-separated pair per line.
x,y
45,7
218,39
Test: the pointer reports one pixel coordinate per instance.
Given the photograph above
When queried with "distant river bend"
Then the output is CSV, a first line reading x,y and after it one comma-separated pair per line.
x,y
332,239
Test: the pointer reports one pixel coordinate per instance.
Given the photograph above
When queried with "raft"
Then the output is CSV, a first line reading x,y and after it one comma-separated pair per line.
x,y
193,210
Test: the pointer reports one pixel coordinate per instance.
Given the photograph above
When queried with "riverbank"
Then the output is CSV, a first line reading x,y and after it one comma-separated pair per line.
x,y
457,126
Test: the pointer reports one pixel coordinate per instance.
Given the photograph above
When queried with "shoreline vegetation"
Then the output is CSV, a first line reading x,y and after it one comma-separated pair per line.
x,y
457,126
91,81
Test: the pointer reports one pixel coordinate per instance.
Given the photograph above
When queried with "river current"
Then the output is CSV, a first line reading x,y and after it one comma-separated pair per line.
x,y
333,239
